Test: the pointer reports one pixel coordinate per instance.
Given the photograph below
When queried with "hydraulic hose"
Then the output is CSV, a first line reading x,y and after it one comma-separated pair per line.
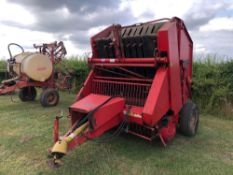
x,y
9,49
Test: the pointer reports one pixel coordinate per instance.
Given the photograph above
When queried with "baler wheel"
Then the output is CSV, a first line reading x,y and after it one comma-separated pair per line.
x,y
27,94
189,119
49,97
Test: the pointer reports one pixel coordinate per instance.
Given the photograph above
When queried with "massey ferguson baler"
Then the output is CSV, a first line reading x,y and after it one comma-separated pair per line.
x,y
140,82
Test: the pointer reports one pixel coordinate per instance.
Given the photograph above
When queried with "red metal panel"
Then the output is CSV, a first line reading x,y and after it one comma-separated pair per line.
x,y
134,114
168,41
125,64
108,112
186,57
124,79
126,60
157,103
106,117
89,103
168,132
108,125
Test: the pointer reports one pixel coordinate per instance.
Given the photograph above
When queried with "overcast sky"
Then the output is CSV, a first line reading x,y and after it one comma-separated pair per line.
x,y
210,22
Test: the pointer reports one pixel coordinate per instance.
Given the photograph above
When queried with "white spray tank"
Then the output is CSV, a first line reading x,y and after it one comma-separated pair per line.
x,y
36,66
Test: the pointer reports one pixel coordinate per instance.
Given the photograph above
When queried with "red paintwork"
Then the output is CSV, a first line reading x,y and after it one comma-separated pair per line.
x,y
131,114
149,99
89,103
168,132
157,103
127,62
113,109
168,38
22,83
56,129
113,114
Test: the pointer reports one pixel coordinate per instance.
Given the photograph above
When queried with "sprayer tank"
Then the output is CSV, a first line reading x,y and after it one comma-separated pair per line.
x,y
36,66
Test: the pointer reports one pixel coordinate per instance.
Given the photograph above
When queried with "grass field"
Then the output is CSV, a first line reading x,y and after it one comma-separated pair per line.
x,y
26,131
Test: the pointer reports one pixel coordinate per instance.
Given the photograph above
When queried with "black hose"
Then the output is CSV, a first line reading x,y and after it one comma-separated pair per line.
x,y
9,50
112,136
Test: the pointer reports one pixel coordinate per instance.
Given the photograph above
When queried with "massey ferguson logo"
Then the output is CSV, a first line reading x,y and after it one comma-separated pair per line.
x,y
41,68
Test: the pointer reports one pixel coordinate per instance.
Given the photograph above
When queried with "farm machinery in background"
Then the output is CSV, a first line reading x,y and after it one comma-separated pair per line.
x,y
140,83
31,70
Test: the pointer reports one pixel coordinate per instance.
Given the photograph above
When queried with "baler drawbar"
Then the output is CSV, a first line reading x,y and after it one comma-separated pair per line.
x,y
140,82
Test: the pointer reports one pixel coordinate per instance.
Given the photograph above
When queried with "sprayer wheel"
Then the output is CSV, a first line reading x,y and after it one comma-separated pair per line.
x,y
49,97
27,94
189,119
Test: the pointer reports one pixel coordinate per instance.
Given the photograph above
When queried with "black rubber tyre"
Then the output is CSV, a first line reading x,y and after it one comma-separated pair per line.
x,y
189,119
27,94
49,97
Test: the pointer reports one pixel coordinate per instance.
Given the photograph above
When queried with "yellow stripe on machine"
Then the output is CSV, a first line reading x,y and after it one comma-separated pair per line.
x,y
132,114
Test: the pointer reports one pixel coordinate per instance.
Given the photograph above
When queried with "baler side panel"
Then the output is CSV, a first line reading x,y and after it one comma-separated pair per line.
x,y
157,103
168,42
109,111
186,57
186,51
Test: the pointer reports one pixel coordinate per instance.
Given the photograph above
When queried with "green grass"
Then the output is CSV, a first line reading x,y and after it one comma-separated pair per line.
x,y
26,132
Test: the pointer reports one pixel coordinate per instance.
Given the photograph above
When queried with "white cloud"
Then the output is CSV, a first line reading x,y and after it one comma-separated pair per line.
x,y
73,50
94,30
199,48
62,12
212,15
15,13
23,37
158,8
213,42
231,6
216,24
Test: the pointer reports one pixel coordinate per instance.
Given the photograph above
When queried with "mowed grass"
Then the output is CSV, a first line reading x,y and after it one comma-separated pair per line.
x,y
26,132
